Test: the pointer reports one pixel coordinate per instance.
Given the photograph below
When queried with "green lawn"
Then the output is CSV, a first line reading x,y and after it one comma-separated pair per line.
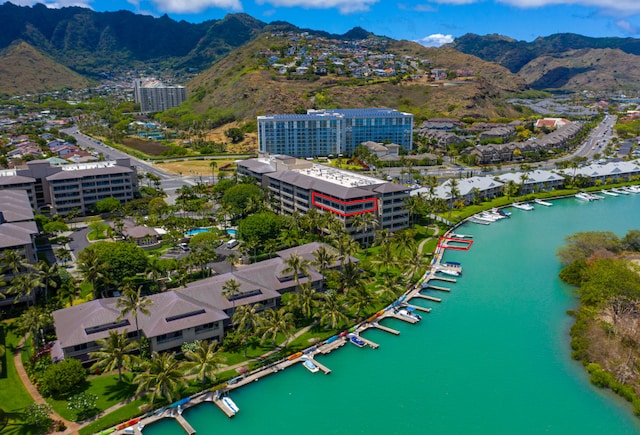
x,y
108,390
125,413
14,398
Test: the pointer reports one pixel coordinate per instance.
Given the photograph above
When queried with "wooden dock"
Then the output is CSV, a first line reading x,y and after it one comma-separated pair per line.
x,y
437,287
369,343
385,328
429,298
185,424
327,348
403,318
442,278
326,370
419,308
229,413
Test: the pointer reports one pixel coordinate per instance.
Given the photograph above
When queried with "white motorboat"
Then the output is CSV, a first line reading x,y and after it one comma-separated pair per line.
x,y
633,189
230,404
409,313
583,196
620,191
523,206
629,189
353,338
610,193
541,202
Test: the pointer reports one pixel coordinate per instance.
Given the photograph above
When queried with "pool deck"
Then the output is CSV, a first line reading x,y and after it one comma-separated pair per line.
x,y
323,348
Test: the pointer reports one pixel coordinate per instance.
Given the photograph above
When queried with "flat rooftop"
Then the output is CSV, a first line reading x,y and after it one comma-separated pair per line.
x,y
338,176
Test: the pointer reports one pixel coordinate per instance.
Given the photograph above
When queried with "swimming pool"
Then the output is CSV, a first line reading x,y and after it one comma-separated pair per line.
x,y
232,232
195,231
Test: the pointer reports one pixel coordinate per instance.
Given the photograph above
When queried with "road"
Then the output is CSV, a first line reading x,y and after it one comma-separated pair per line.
x,y
169,182
598,139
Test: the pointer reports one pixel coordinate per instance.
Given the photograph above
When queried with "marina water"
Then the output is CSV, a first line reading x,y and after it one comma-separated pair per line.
x,y
492,358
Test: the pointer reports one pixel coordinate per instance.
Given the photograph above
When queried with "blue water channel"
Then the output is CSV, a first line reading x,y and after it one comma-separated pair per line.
x,y
492,358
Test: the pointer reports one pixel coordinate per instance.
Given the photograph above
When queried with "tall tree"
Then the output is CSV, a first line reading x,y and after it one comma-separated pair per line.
x,y
133,302
230,288
204,360
47,273
91,268
163,377
276,322
304,300
332,310
297,265
115,353
324,258
24,285
33,321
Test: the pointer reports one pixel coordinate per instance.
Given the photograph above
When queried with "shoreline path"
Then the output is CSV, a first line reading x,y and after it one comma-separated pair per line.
x,y
74,427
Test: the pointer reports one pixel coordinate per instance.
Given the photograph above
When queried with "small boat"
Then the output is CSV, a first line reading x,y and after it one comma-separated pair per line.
x,y
501,212
610,193
523,206
309,365
230,404
448,271
633,189
629,189
541,202
353,338
583,196
409,313
595,197
620,191
461,236
477,219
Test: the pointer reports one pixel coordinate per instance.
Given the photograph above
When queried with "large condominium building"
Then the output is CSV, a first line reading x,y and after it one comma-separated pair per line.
x,y
65,188
297,185
332,132
17,233
154,96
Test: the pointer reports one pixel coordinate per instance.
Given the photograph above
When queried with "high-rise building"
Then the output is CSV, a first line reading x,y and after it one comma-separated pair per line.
x,y
332,131
154,96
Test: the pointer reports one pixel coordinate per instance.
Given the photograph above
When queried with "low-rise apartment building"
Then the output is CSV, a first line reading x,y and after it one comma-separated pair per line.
x,y
61,189
200,311
17,233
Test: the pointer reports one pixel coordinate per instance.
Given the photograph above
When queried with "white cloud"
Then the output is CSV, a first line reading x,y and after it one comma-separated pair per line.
x,y
195,6
435,40
344,6
624,6
53,4
627,27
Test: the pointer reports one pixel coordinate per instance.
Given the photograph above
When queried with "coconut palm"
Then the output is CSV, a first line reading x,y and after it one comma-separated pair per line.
x,y
91,268
324,258
213,165
276,322
297,265
346,246
204,360
132,302
350,276
163,377
25,285
115,353
33,321
13,261
360,299
230,288
414,261
246,319
364,222
331,310
68,292
47,272
304,300
454,193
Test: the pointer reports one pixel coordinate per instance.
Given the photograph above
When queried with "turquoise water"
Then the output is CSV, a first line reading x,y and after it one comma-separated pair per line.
x,y
195,231
492,358
232,232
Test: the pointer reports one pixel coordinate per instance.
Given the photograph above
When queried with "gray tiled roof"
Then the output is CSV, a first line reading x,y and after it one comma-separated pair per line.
x,y
71,322
15,206
9,180
71,175
310,183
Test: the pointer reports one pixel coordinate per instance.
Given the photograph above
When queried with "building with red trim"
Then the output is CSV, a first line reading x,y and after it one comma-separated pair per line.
x,y
297,185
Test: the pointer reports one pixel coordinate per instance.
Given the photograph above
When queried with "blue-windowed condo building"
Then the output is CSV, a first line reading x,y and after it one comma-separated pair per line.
x,y
332,131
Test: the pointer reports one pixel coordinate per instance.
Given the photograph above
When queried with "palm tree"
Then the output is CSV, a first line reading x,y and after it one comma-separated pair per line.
x,y
213,165
163,377
346,246
33,321
91,268
131,301
246,319
13,261
365,222
510,189
297,265
276,322
359,299
414,261
323,258
115,353
350,276
47,272
68,291
386,257
204,360
331,310
454,192
25,285
230,288
304,300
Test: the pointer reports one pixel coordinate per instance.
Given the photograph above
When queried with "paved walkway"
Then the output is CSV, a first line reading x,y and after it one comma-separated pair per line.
x,y
72,427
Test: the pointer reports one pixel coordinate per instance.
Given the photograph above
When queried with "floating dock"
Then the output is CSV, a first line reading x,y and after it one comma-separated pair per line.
x,y
224,408
403,318
324,369
429,298
385,328
436,287
419,308
442,278
369,343
185,424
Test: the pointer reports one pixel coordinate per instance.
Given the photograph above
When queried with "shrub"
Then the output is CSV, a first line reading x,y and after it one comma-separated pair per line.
x,y
63,378
84,405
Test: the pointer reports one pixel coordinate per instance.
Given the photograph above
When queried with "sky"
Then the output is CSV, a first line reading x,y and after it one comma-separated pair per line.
x,y
430,22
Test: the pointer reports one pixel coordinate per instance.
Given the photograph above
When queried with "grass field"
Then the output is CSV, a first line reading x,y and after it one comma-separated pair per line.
x,y
193,167
14,399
